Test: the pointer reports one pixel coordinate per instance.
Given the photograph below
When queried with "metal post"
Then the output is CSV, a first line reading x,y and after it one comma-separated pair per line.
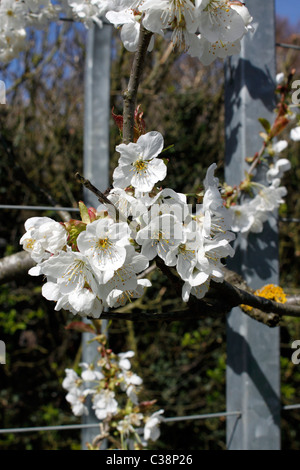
x,y
96,153
253,373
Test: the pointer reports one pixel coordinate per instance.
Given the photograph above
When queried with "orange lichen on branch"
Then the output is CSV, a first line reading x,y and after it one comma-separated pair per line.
x,y
269,291
272,292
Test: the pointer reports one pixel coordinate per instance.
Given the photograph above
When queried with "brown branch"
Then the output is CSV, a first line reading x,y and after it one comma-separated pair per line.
x,y
237,296
101,196
293,299
213,308
147,271
221,298
131,93
213,304
14,266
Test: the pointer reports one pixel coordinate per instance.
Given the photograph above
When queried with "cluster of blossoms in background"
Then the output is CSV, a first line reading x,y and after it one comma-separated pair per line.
x,y
252,203
17,15
250,214
207,29
112,389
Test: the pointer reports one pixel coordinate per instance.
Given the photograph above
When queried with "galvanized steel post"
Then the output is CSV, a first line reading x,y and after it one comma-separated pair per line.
x,y
96,153
253,368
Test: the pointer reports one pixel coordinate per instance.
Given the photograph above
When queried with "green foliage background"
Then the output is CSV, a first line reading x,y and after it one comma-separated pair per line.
x,y
183,364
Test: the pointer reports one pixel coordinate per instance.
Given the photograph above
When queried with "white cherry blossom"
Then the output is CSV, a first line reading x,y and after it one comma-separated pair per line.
x,y
160,235
197,291
167,201
243,217
124,282
279,146
270,197
207,52
77,397
277,169
90,374
151,430
130,31
210,254
249,216
105,404
138,165
75,285
219,22
43,237
184,256
179,15
118,297
127,204
295,134
72,380
124,362
103,243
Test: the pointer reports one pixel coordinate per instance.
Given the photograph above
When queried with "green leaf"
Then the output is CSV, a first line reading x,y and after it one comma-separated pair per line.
x,y
84,213
265,123
168,148
74,228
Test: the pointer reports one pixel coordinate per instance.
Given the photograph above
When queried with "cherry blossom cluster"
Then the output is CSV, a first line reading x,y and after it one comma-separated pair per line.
x,y
249,214
110,389
97,263
17,15
206,29
252,203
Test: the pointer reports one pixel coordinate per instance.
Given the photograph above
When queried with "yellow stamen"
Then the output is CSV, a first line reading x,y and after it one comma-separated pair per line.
x,y
102,243
140,166
30,243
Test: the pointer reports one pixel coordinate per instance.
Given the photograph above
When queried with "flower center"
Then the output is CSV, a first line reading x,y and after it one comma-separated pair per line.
x,y
141,166
214,6
30,243
74,272
186,252
102,243
182,248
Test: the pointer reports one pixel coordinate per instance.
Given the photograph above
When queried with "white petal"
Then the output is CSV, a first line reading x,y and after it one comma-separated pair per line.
x,y
149,249
120,17
35,271
130,36
50,291
280,146
295,134
158,169
151,144
129,153
279,78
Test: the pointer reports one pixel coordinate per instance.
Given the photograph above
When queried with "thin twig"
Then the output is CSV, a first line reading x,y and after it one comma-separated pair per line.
x,y
101,196
131,93
147,271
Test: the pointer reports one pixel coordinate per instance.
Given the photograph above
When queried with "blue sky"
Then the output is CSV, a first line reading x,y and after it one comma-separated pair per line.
x,y
287,8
